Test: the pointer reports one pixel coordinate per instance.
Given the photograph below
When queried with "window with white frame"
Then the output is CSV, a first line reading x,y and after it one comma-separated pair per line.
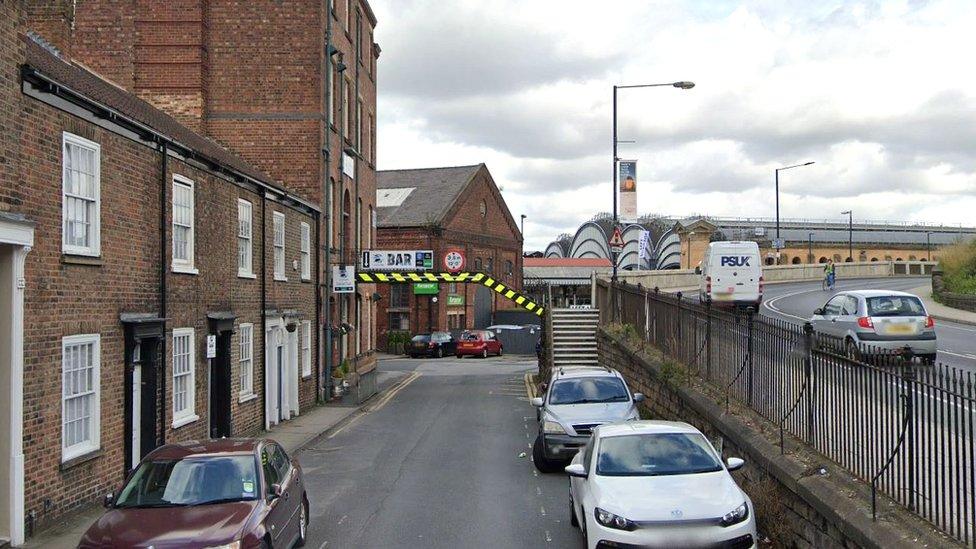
x,y
80,200
183,224
279,246
184,383
245,336
306,348
306,251
245,266
80,364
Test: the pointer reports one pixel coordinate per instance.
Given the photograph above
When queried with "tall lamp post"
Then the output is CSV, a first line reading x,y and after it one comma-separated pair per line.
x,y
616,220
850,234
928,246
776,172
522,232
810,247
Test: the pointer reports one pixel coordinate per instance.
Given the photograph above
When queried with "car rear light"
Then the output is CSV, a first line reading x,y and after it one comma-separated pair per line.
x,y
865,322
708,284
929,322
432,345
762,284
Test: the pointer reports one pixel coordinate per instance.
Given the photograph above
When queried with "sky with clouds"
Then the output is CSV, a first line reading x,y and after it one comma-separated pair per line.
x,y
880,94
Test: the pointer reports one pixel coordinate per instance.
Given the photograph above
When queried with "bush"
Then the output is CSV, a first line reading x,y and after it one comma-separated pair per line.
x,y
958,264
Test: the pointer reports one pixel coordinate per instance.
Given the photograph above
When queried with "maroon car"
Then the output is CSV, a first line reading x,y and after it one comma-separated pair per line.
x,y
478,343
221,494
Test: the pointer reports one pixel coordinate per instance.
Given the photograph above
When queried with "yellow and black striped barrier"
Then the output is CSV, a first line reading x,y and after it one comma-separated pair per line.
x,y
473,278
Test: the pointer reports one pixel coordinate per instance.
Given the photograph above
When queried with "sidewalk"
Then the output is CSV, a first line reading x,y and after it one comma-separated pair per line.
x,y
293,435
940,311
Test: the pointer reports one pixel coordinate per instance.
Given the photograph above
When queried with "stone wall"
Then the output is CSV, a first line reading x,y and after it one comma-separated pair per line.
x,y
802,500
965,302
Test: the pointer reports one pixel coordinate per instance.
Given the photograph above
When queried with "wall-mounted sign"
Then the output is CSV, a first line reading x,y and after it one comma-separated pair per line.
x,y
454,261
454,300
397,260
348,165
343,279
426,288
211,346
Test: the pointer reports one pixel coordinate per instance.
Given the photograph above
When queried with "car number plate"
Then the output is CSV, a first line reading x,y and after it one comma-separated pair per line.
x,y
900,328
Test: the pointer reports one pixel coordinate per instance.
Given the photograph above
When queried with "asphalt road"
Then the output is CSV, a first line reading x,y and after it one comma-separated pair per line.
x,y
439,464
796,302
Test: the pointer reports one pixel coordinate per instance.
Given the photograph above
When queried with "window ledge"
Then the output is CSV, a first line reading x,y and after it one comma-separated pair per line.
x,y
280,278
246,398
75,259
250,276
306,279
185,270
83,458
177,423
306,376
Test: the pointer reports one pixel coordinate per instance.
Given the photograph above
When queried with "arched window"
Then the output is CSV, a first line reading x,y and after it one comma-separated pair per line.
x,y
822,260
911,258
796,260
899,259
848,259
770,260
874,259
836,258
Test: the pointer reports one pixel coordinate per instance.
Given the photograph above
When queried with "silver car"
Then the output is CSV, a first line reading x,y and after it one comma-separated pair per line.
x,y
577,400
869,321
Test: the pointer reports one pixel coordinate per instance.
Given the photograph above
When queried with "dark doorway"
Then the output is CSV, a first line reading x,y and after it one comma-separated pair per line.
x,y
220,388
141,405
482,307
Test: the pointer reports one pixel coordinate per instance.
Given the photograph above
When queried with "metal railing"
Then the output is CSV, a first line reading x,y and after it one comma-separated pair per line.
x,y
905,428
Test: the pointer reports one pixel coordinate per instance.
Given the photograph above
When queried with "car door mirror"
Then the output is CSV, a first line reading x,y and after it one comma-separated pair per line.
x,y
697,270
638,397
576,470
537,402
819,311
276,491
109,500
734,464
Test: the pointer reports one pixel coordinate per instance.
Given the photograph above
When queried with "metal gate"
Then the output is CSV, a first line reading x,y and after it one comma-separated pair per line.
x,y
482,307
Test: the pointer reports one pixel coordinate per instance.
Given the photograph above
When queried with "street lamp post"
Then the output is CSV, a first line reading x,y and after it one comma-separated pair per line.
x,y
616,220
928,246
810,247
776,172
690,234
850,234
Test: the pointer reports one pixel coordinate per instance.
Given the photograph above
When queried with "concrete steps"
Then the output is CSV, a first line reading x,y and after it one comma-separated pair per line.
x,y
574,337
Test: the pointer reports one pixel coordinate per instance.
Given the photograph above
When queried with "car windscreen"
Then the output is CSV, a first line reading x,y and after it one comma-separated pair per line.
x,y
895,305
190,481
470,337
656,455
421,338
587,390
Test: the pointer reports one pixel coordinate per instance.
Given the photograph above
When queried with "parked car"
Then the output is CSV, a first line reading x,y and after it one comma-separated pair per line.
x,y
731,275
657,484
577,400
227,493
436,345
866,322
478,343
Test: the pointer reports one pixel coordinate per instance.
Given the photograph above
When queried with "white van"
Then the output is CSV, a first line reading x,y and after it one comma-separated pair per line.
x,y
731,275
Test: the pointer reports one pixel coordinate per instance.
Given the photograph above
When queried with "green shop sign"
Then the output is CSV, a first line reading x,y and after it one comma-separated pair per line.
x,y
455,300
426,288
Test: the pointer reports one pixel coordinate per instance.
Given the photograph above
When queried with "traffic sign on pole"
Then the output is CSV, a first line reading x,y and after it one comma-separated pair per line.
x,y
617,240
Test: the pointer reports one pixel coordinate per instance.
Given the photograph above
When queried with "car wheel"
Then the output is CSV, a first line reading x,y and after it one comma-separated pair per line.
x,y
302,523
440,352
539,457
499,350
484,353
572,513
458,356
928,359
851,350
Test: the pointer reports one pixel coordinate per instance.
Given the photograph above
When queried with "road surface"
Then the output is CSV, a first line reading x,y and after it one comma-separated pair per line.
x,y
446,462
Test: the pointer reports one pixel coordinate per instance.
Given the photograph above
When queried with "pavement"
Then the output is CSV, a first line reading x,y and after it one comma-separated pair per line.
x,y
293,435
940,311
445,463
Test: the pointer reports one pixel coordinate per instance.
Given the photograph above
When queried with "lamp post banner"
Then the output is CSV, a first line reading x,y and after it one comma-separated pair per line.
x,y
627,176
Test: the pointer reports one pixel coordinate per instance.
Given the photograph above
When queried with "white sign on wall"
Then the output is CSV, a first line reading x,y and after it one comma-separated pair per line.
x,y
211,346
397,260
343,279
348,165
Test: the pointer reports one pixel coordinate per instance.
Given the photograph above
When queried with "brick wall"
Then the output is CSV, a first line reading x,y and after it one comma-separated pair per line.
x,y
11,55
796,506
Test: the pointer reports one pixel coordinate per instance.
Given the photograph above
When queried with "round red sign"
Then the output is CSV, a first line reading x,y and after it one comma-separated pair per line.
x,y
454,261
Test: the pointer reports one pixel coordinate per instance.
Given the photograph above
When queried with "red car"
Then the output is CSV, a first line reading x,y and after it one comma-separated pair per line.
x,y
478,343
227,493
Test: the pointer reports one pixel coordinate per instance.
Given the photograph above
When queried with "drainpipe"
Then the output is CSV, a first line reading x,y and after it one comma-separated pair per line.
x,y
318,304
163,181
264,306
324,384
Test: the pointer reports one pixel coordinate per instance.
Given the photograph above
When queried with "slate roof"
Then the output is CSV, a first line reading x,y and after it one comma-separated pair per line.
x,y
97,89
435,191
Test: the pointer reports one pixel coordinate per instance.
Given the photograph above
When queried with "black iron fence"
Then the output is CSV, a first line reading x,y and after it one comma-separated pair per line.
x,y
906,428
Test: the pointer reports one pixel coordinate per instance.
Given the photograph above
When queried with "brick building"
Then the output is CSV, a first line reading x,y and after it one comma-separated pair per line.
x,y
126,239
444,209
289,86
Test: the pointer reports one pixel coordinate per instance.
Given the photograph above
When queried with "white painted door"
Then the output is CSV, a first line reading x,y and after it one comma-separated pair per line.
x,y
271,376
293,373
136,414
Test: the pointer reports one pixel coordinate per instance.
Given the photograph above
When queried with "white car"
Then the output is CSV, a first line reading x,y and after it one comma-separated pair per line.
x,y
657,484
